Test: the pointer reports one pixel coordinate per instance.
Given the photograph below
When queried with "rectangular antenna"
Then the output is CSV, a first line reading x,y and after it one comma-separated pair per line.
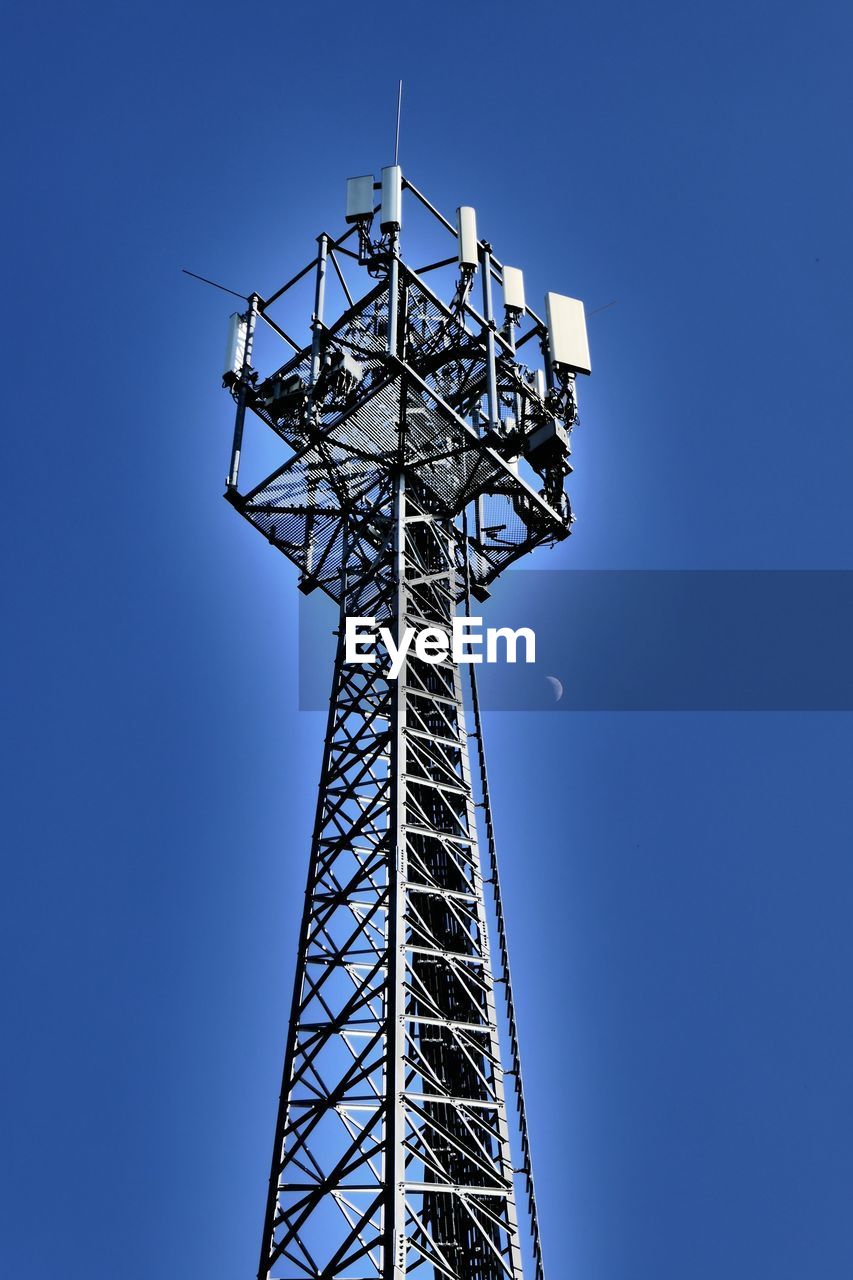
x,y
359,197
513,289
466,226
567,333
235,347
391,197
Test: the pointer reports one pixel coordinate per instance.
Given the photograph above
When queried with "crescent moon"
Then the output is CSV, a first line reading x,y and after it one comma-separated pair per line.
x,y
556,687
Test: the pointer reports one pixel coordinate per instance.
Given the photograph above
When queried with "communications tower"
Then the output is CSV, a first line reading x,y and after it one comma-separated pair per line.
x,y
423,457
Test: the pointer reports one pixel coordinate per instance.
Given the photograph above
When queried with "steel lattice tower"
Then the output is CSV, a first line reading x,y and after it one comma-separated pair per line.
x,y
411,426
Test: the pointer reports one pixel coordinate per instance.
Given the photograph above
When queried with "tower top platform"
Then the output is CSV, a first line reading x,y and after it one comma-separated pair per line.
x,y
412,376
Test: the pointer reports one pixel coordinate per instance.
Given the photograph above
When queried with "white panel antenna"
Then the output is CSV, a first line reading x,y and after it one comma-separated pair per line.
x,y
235,348
567,333
392,181
513,289
466,225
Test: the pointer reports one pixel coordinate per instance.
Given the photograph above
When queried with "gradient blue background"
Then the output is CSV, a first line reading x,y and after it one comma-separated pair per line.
x,y
679,886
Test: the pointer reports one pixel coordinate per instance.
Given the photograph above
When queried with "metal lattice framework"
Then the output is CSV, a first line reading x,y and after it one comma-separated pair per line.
x,y
392,1151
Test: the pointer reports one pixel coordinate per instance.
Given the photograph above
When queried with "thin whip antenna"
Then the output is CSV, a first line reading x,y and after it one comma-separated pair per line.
x,y
205,280
397,132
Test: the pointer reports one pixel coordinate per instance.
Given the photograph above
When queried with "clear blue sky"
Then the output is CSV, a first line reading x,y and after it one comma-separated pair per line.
x,y
679,886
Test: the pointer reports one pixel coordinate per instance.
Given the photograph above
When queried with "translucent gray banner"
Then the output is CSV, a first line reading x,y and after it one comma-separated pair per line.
x,y
628,640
